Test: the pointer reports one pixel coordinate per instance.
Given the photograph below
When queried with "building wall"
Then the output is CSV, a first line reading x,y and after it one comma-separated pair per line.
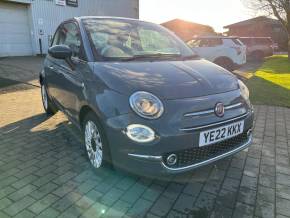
x,y
45,15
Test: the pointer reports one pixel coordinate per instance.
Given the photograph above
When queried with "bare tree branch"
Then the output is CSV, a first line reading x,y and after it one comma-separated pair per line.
x,y
279,8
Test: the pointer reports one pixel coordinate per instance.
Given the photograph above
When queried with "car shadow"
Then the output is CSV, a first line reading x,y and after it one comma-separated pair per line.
x,y
54,150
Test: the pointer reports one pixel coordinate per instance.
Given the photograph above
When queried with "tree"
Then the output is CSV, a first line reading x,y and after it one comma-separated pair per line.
x,y
279,8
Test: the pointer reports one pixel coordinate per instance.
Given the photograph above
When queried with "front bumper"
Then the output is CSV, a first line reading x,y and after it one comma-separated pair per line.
x,y
174,170
149,159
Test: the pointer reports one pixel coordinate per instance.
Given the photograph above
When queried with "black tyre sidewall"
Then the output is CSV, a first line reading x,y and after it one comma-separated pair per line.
x,y
51,109
225,63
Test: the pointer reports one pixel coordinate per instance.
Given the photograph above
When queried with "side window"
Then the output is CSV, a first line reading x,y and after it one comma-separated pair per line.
x,y
214,42
56,37
70,36
194,43
204,43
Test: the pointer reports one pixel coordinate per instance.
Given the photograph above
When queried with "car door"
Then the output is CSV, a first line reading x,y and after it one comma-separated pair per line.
x,y
51,72
68,78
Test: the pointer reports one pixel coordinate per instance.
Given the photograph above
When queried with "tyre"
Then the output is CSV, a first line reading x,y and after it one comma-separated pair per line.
x,y
225,63
95,142
48,105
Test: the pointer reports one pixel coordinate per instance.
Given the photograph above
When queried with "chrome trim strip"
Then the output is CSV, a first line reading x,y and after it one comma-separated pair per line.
x,y
147,157
215,124
199,113
212,110
233,106
180,169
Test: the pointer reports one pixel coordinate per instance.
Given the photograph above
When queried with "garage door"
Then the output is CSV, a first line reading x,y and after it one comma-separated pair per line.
x,y
14,30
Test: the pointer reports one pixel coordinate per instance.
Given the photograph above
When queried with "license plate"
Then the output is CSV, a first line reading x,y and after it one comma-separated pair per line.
x,y
219,134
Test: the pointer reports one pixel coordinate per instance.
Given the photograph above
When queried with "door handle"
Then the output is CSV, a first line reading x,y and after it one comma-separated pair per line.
x,y
51,67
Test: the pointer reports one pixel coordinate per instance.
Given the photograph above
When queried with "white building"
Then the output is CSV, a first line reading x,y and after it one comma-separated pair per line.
x,y
26,26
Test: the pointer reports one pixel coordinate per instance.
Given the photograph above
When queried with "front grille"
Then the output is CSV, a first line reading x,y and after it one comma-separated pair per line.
x,y
196,155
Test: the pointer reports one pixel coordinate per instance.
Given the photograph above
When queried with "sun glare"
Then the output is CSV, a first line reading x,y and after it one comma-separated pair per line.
x,y
211,12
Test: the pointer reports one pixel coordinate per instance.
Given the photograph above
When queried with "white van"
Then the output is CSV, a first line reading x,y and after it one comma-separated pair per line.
x,y
228,52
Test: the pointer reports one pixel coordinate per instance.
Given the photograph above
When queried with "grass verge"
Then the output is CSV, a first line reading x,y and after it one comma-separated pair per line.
x,y
270,84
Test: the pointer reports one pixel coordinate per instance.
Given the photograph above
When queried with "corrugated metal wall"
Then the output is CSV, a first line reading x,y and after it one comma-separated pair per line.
x,y
46,15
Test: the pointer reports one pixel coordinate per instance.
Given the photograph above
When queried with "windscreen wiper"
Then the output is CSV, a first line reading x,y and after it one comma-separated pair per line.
x,y
190,57
154,55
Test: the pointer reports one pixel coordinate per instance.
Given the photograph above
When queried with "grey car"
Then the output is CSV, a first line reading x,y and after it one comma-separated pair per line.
x,y
142,99
258,47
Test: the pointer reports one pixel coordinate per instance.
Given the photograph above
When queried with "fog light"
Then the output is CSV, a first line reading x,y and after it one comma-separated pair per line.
x,y
140,133
171,159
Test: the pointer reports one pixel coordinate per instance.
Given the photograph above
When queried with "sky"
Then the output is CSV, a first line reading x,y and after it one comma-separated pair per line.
x,y
216,13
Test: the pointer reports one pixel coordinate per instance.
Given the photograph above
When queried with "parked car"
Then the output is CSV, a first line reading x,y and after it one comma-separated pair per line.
x,y
141,98
227,52
259,47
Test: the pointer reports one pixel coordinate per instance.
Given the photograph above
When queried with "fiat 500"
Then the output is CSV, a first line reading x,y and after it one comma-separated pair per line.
x,y
142,99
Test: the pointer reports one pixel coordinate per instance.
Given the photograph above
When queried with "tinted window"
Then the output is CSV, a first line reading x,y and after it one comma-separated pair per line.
x,y
70,36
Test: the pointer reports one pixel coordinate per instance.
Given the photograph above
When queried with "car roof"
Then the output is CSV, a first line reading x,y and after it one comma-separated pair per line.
x,y
253,37
105,17
215,37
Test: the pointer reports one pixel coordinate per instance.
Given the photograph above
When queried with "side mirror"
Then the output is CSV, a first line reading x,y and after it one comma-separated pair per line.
x,y
60,52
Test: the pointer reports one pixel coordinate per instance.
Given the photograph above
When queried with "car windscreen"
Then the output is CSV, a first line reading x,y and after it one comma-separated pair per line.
x,y
125,39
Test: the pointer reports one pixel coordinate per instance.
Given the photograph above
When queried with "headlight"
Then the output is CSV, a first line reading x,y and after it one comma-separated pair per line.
x,y
146,105
140,133
244,90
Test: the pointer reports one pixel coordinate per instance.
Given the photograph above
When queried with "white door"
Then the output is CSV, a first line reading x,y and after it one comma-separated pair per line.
x,y
15,37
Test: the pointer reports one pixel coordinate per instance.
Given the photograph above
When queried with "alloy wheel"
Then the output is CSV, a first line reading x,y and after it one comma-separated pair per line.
x,y
94,144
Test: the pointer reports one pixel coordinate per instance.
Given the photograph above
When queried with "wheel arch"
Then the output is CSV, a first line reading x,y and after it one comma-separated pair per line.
x,y
41,78
257,51
84,110
222,57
